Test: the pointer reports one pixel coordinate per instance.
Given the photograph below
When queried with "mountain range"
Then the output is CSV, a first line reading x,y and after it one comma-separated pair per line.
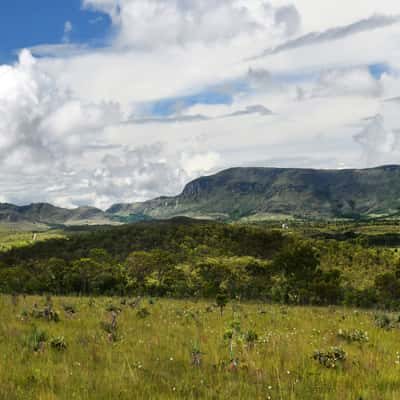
x,y
246,194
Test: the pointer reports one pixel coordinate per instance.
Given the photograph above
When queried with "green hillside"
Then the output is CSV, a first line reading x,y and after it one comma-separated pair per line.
x,y
44,213
268,193
246,194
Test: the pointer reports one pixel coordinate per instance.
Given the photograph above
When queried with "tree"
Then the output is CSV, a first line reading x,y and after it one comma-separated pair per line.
x,y
388,287
298,264
299,261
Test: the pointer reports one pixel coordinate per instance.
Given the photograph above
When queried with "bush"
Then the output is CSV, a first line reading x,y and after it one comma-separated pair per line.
x,y
331,358
250,336
355,336
143,312
69,308
383,321
49,315
58,343
36,339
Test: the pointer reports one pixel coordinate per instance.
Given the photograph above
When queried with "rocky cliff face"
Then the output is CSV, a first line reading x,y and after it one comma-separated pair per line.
x,y
307,193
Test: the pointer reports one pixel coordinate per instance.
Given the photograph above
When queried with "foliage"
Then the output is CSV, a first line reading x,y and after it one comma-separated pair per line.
x,y
36,339
58,343
189,259
356,335
330,358
383,321
143,313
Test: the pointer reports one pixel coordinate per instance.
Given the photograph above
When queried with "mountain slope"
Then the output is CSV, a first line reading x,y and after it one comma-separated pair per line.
x,y
48,214
279,192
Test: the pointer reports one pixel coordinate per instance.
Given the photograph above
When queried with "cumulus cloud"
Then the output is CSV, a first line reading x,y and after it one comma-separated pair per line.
x,y
148,24
42,127
376,141
379,137
146,172
47,132
41,122
82,117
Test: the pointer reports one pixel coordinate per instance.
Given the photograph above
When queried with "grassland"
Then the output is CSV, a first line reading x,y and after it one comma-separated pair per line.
x,y
182,350
11,237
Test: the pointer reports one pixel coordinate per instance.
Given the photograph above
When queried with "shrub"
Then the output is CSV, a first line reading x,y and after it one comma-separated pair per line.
x,y
354,336
383,321
58,343
331,358
47,314
36,339
107,326
228,334
69,308
143,312
196,355
251,336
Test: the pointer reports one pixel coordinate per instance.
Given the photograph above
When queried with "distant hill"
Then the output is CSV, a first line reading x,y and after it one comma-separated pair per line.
x,y
267,193
44,213
245,194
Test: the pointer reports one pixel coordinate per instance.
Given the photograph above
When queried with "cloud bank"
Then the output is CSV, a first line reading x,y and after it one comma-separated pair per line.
x,y
176,92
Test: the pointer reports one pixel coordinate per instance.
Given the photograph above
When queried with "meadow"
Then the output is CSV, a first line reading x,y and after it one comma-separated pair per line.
x,y
144,348
15,235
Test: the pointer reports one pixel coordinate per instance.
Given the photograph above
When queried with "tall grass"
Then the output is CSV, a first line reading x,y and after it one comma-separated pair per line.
x,y
151,357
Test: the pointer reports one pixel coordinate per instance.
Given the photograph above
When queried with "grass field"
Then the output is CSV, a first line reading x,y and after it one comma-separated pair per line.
x,y
17,235
183,350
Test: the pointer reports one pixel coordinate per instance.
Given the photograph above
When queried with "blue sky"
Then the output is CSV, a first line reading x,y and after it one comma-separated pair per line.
x,y
26,23
377,70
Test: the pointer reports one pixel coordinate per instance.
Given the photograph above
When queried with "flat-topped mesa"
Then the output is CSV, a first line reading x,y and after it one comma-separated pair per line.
x,y
243,193
254,192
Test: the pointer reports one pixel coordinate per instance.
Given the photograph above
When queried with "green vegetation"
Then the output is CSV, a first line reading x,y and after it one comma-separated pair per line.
x,y
21,236
254,194
186,309
183,349
246,195
184,258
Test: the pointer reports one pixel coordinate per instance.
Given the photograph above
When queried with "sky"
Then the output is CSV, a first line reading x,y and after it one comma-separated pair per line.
x,y
111,101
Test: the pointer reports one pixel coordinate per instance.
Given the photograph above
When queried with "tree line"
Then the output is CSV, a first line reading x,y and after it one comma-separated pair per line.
x,y
184,258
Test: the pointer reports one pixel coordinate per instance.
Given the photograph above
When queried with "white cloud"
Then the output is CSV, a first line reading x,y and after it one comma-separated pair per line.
x,y
380,136
56,145
353,81
82,117
150,24
340,32
68,28
288,17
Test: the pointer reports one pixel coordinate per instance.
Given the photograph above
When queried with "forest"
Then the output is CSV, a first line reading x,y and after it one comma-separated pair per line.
x,y
184,258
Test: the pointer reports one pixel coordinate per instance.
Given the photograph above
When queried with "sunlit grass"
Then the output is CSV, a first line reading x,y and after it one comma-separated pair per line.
x,y
151,358
19,238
